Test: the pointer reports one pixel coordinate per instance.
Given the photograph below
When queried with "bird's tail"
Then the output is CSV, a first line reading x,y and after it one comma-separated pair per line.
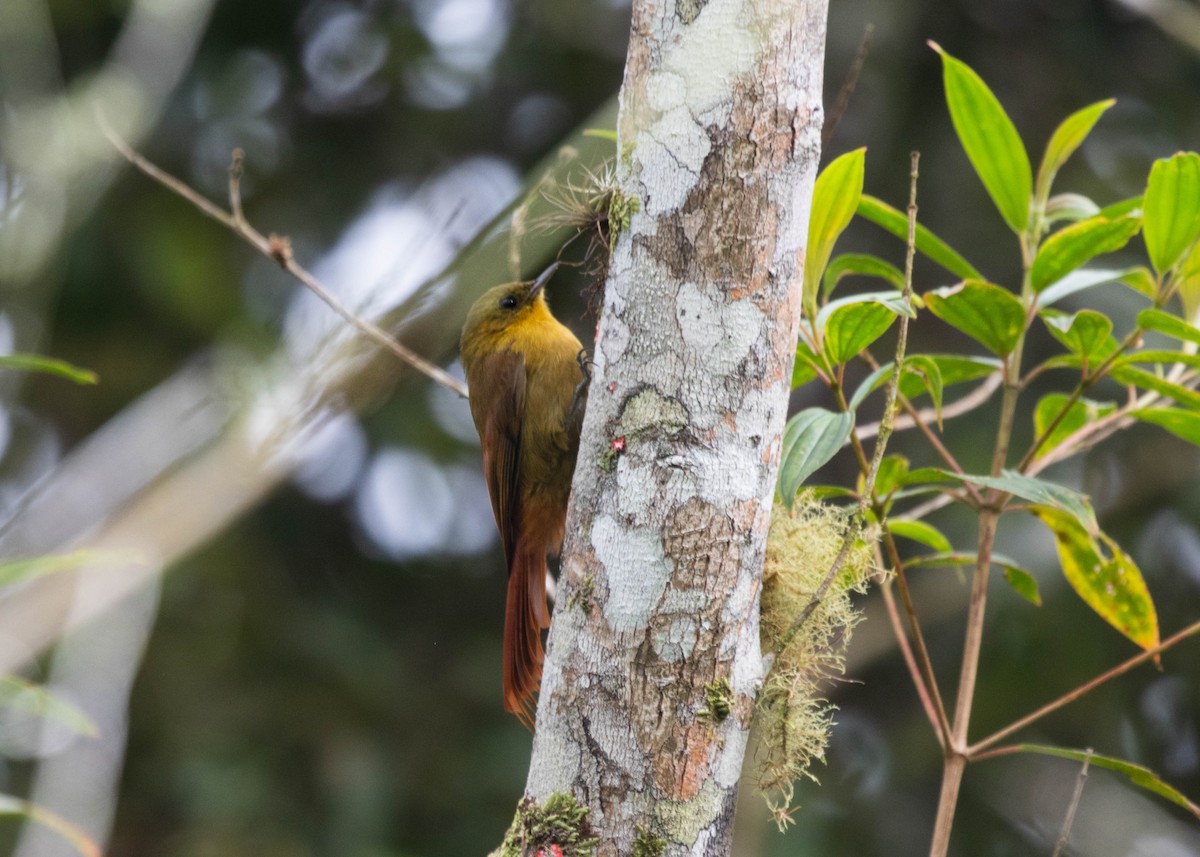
x,y
525,615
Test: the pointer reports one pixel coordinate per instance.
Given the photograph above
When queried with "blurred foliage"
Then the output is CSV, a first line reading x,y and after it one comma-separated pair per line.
x,y
313,687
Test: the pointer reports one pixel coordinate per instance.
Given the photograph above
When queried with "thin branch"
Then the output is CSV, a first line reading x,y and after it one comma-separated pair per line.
x,y
842,102
974,751
941,722
966,404
914,671
885,427
1069,821
279,249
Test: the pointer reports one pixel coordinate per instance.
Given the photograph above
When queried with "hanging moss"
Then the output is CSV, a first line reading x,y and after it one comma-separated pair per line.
x,y
792,714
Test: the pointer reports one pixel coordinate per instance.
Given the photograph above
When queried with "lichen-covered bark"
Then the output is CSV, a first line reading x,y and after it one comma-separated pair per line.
x,y
719,135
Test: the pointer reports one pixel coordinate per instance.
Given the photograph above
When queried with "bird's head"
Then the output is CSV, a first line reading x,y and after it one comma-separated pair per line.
x,y
500,307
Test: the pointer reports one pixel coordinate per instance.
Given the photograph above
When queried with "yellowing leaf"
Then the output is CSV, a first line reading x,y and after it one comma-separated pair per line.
x,y
1104,576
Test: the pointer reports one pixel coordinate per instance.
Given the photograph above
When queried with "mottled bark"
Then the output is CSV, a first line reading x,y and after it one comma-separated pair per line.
x,y
719,136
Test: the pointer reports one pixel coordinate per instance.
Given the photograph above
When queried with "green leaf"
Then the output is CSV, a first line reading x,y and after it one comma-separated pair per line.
x,y
30,698
1165,357
1188,281
1171,325
1171,209
1071,207
1184,424
1086,333
19,570
892,470
835,197
1141,281
862,265
1081,412
1137,774
49,365
79,840
806,365
919,531
954,369
1023,583
853,327
1154,383
1123,207
1057,497
990,140
1067,249
1104,576
871,383
810,439
1077,281
894,301
987,313
1066,138
924,367
602,133
896,222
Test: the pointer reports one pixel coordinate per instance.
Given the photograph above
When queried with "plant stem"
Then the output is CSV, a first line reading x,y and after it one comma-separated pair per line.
x,y
955,759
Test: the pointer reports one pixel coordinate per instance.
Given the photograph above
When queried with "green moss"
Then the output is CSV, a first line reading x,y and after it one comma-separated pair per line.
x,y
646,843
647,410
718,696
582,594
558,826
607,461
621,210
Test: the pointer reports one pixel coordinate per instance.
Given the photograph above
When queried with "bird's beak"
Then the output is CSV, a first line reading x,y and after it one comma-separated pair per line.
x,y
543,278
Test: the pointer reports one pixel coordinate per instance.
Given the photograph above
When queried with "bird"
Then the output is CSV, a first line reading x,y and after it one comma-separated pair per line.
x,y
526,381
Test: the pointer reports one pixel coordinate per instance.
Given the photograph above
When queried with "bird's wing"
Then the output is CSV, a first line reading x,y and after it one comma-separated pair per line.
x,y
498,396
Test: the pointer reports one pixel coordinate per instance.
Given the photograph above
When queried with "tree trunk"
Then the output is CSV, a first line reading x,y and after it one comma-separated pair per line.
x,y
719,138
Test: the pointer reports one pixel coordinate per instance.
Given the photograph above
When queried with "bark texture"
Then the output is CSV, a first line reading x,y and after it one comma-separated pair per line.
x,y
719,138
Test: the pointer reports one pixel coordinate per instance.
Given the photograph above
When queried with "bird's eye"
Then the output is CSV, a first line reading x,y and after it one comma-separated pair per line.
x,y
508,302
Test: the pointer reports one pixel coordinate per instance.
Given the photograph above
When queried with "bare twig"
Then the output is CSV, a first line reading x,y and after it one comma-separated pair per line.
x,y
847,91
279,249
914,671
939,720
975,751
885,427
1069,821
966,404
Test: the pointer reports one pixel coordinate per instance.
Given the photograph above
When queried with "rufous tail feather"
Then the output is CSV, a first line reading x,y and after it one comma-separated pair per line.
x,y
525,615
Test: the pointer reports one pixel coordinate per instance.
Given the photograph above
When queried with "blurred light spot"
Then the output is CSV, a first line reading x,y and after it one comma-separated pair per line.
x,y
451,412
332,458
340,58
1133,137
467,34
473,529
31,452
212,152
1154,845
8,336
248,84
27,735
400,241
1167,706
431,84
859,752
1169,543
409,506
230,106
536,122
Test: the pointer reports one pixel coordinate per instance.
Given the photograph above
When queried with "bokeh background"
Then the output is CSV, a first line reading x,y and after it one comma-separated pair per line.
x,y
317,670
